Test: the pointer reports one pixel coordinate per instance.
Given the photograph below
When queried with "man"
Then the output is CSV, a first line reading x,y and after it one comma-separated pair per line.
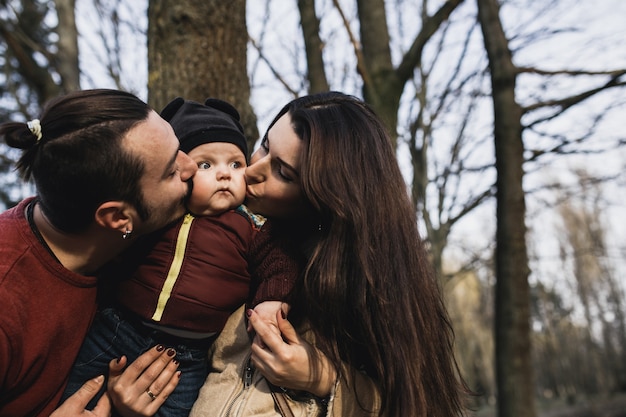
x,y
107,168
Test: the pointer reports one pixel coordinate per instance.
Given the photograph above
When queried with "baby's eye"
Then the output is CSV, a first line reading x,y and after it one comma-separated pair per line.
x,y
236,165
204,165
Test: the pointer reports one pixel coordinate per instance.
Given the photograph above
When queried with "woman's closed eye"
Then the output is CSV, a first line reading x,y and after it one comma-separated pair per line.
x,y
284,175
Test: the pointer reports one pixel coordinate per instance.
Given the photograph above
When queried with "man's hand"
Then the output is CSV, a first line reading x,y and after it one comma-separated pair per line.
x,y
75,405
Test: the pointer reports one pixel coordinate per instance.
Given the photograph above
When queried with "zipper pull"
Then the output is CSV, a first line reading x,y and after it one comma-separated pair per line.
x,y
247,375
248,372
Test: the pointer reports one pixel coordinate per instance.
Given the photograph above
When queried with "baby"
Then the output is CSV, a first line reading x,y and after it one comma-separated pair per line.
x,y
185,281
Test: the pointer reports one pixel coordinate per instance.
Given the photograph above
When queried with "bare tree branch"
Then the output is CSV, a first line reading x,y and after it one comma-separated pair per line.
x,y
356,46
565,103
274,71
429,26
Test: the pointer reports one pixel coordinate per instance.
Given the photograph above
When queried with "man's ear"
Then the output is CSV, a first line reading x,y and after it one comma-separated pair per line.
x,y
115,215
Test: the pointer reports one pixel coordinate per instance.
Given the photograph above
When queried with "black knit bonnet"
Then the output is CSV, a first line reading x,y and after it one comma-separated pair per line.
x,y
214,121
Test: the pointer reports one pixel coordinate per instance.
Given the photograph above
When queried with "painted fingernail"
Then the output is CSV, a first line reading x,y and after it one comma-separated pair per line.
x,y
248,312
171,352
160,348
178,374
176,362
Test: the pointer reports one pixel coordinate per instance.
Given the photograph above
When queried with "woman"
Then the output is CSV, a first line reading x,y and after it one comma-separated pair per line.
x,y
327,173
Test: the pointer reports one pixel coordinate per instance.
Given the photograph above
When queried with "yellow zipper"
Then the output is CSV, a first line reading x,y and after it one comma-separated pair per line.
x,y
177,262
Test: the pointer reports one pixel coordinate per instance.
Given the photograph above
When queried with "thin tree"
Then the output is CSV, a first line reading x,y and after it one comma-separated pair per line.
x,y
512,302
39,61
384,82
314,46
513,369
584,245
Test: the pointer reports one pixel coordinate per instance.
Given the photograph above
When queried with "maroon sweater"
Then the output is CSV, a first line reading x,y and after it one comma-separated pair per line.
x,y
46,311
202,269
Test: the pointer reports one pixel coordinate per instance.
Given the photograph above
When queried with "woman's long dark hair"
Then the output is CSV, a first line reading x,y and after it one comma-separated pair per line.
x,y
369,292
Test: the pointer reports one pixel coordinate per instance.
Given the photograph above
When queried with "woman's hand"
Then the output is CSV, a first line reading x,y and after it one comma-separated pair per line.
x,y
143,387
290,361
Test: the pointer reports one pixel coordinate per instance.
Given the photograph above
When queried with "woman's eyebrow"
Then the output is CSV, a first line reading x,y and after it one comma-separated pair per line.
x,y
281,161
289,167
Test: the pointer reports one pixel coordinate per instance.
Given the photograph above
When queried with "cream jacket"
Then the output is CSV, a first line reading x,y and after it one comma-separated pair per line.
x,y
234,389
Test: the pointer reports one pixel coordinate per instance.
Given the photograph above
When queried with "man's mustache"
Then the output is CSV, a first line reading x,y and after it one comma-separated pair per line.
x,y
189,190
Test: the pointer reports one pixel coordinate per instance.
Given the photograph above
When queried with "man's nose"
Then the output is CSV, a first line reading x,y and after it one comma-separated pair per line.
x,y
186,165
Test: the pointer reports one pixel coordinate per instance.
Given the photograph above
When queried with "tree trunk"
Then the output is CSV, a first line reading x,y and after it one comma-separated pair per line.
x,y
26,41
67,56
313,45
512,313
381,86
197,49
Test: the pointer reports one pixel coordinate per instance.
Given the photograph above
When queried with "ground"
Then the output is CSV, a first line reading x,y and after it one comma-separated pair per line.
x,y
607,407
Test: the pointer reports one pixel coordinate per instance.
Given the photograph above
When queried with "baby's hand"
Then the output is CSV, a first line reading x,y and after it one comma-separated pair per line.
x,y
267,310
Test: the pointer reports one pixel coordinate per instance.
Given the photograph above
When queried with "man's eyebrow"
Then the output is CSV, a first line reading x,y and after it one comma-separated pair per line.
x,y
171,162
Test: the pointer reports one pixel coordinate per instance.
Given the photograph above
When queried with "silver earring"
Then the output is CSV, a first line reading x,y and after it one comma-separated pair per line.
x,y
126,234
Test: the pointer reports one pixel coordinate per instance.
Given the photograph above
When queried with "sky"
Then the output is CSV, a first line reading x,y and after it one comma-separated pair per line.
x,y
578,35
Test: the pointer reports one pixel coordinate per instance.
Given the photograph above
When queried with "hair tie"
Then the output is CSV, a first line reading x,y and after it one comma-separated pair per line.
x,y
35,128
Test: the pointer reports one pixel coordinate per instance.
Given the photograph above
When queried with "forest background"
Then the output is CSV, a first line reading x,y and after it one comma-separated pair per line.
x,y
508,117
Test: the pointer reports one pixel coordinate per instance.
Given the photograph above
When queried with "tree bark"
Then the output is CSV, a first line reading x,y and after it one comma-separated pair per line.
x,y
512,304
313,45
383,84
24,38
68,45
198,49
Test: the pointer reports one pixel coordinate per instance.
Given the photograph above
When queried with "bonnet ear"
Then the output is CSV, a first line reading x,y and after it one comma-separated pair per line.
x,y
171,108
223,106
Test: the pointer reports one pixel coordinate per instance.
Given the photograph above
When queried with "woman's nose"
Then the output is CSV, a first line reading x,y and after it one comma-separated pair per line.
x,y
256,171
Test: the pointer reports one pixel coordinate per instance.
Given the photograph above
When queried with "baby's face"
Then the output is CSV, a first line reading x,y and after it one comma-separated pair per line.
x,y
219,184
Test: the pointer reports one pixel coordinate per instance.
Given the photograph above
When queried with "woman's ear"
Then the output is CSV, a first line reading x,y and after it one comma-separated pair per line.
x,y
115,215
